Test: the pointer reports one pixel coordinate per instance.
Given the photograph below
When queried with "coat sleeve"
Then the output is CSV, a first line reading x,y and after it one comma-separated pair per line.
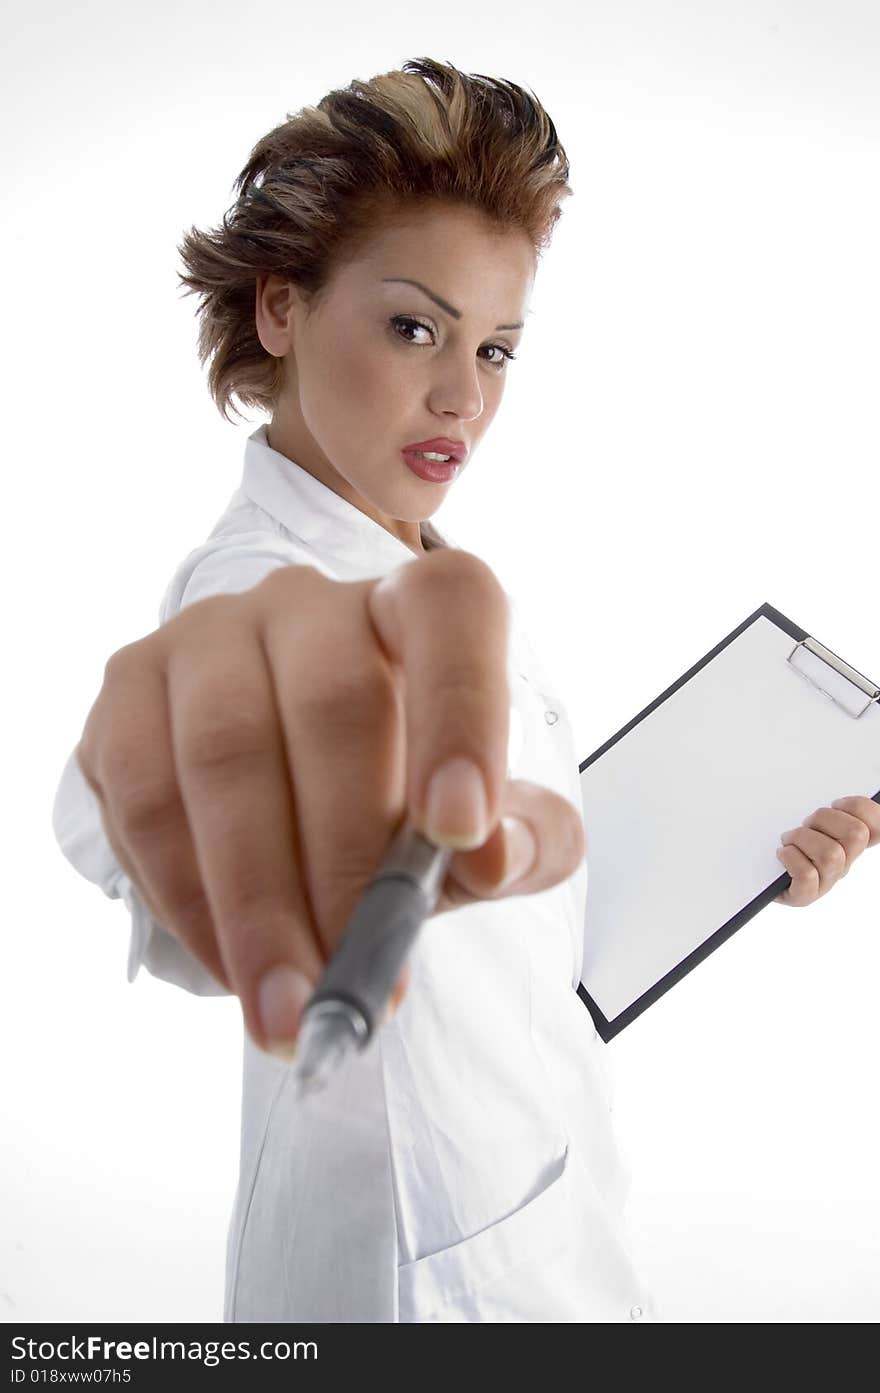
x,y
222,566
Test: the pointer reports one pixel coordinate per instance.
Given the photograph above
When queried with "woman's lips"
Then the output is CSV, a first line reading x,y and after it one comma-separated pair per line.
x,y
432,470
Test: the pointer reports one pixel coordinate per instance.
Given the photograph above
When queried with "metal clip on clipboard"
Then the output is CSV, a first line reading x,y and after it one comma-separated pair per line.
x,y
815,660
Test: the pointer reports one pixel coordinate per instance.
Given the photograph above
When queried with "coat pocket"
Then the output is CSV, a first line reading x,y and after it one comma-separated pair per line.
x,y
446,1285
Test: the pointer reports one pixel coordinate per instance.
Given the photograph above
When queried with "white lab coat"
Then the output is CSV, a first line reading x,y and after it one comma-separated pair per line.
x,y
463,1168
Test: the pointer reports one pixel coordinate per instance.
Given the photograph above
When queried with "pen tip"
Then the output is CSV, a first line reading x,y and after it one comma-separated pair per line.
x,y
325,1039
303,1084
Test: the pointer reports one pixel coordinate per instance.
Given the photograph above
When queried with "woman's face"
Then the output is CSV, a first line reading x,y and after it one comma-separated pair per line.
x,y
379,364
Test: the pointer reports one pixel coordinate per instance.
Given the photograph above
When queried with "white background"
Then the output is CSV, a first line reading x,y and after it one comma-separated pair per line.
x,y
690,430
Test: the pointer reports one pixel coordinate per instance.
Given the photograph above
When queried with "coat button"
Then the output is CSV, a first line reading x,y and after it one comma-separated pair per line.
x,y
635,1312
551,717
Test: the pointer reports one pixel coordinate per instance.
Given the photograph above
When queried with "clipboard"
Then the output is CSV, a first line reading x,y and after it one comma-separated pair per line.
x,y
684,806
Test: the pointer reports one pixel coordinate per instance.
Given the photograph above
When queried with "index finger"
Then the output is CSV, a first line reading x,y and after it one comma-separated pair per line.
x,y
444,621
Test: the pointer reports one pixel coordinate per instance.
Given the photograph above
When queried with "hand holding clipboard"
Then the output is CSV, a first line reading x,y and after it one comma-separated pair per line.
x,y
774,722
821,857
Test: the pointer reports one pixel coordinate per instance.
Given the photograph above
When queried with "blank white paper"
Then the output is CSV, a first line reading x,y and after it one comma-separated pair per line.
x,y
683,814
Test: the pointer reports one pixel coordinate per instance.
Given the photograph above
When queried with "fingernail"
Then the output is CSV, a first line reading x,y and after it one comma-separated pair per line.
x,y
281,997
520,848
456,811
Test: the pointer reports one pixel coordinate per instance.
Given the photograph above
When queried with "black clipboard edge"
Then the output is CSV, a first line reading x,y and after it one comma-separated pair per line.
x,y
766,610
607,1029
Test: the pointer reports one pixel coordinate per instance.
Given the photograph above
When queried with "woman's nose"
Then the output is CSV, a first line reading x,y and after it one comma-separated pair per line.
x,y
459,392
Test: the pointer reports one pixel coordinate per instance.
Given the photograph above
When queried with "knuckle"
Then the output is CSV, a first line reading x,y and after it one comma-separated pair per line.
x,y
231,728
462,574
143,806
354,862
221,744
347,694
257,910
173,640
120,663
120,660
863,836
336,889
194,613
275,582
283,583
459,681
186,916
457,561
114,759
256,928
191,910
834,861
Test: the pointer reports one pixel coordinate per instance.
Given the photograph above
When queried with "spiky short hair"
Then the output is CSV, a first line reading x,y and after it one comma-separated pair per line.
x,y
324,181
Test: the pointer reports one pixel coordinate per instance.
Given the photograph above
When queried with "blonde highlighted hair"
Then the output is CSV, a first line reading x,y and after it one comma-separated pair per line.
x,y
320,185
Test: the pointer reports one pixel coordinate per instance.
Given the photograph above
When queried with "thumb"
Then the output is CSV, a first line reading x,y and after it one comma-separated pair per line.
x,y
538,841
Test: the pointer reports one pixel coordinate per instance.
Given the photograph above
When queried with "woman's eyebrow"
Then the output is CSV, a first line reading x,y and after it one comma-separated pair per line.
x,y
444,304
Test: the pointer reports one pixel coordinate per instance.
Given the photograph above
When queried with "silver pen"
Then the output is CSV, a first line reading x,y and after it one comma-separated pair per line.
x,y
349,1002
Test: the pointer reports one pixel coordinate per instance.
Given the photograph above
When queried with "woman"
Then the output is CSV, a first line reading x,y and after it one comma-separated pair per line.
x,y
368,290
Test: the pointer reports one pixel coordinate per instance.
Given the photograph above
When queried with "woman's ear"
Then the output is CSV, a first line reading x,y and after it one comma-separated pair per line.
x,y
278,305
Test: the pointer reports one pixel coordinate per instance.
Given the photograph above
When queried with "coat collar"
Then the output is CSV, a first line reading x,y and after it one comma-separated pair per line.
x,y
314,513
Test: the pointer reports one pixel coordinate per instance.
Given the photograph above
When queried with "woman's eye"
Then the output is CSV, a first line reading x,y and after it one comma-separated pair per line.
x,y
507,355
403,319
406,322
